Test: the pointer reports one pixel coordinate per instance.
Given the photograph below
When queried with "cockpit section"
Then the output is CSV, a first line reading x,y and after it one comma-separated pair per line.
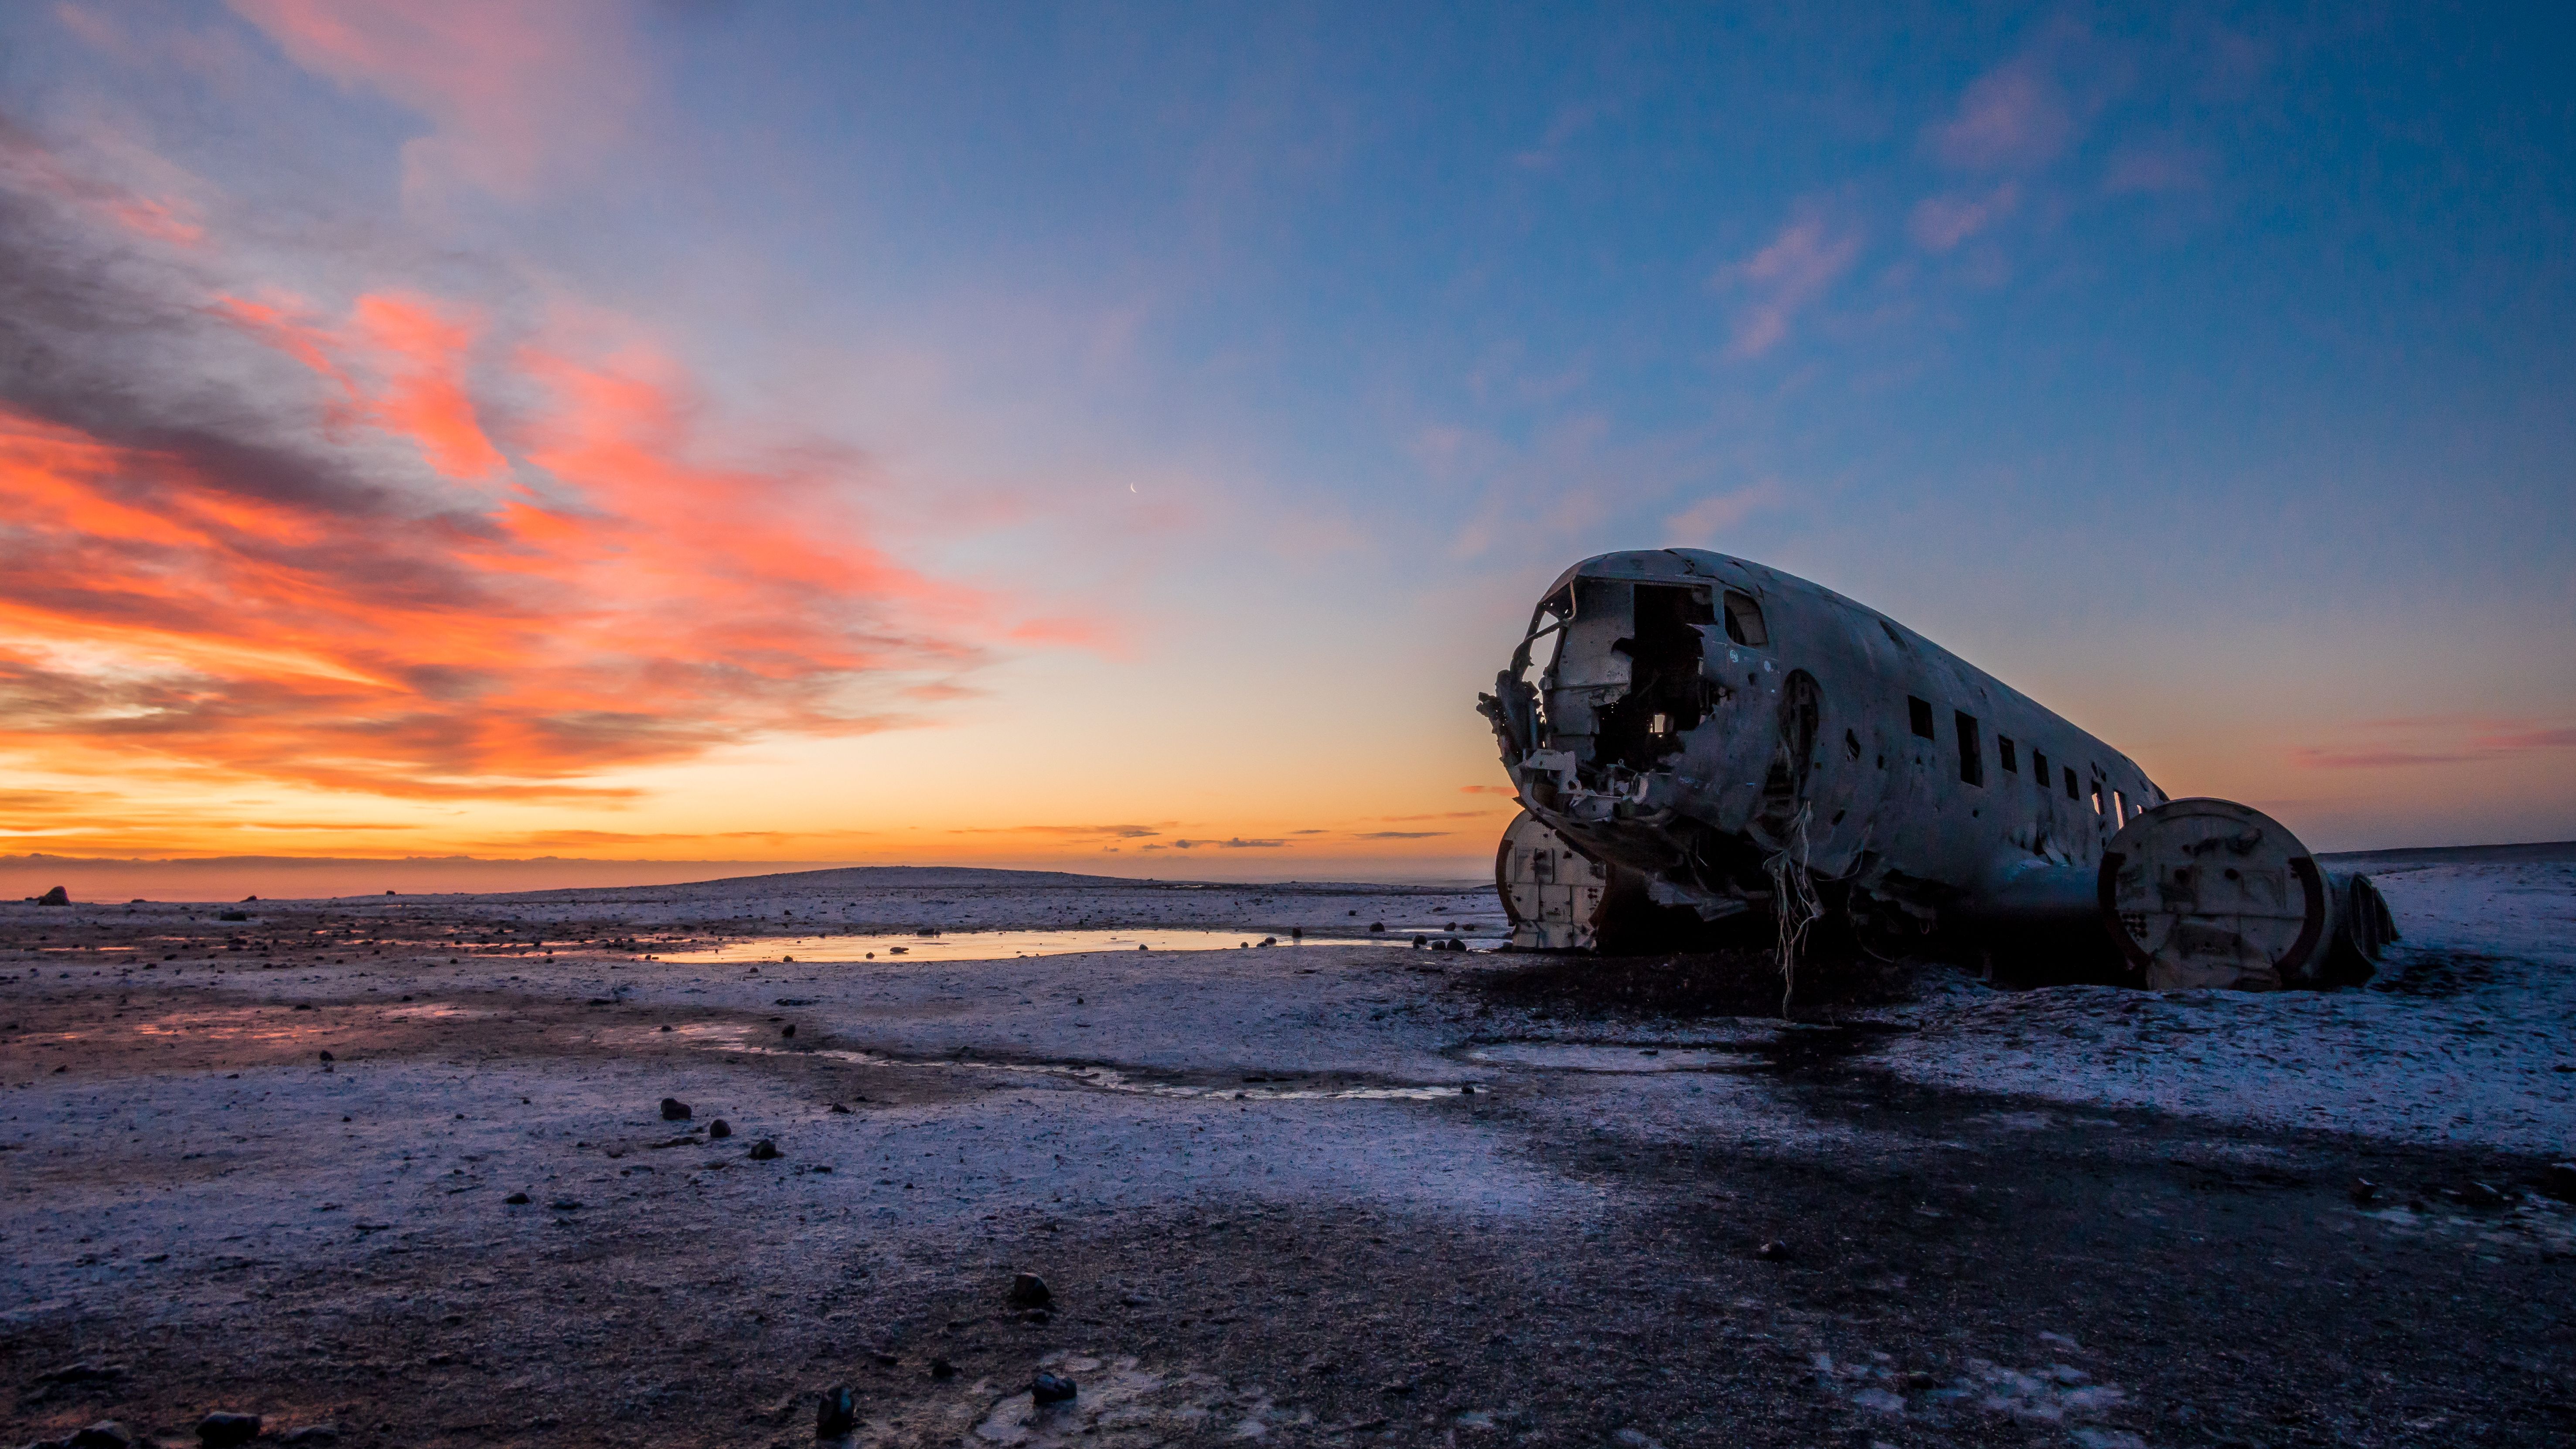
x,y
1667,693
1620,667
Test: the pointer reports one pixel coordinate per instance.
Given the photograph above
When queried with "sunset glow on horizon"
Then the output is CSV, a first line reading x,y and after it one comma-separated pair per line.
x,y
1128,445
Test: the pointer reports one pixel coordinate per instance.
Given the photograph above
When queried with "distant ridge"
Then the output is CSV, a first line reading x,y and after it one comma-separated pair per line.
x,y
219,879
2538,850
868,877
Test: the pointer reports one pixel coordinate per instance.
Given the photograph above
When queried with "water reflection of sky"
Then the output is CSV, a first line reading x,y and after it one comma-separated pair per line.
x,y
1003,945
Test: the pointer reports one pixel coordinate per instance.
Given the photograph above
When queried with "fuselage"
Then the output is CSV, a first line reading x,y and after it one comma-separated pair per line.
x,y
1705,722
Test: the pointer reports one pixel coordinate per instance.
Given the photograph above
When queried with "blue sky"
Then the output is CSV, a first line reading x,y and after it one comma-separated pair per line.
x,y
2204,372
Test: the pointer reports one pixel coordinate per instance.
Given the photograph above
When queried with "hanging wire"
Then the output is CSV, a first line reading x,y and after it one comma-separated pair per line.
x,y
1793,900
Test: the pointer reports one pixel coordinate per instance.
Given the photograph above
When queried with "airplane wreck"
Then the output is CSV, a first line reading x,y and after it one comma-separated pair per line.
x,y
1704,747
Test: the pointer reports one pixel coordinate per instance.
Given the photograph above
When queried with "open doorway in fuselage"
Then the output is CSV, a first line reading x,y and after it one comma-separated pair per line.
x,y
1667,697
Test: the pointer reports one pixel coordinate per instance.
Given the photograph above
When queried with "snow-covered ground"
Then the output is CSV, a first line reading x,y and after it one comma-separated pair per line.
x,y
2467,1037
176,1153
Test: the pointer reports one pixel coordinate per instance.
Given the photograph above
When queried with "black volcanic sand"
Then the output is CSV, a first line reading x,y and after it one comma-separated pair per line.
x,y
1793,1246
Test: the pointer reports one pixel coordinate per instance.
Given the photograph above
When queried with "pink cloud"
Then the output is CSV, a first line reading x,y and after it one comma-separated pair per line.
x,y
2014,117
1790,272
1942,222
2436,741
2527,738
29,166
1705,520
514,90
2313,757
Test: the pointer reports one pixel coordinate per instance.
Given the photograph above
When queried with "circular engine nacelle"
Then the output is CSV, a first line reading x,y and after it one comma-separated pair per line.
x,y
2210,893
1552,892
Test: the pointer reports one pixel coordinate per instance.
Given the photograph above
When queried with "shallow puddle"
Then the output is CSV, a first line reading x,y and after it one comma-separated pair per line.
x,y
437,1011
1003,945
731,1038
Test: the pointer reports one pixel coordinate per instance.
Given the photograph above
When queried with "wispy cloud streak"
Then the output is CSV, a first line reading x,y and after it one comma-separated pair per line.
x,y
511,90
1792,270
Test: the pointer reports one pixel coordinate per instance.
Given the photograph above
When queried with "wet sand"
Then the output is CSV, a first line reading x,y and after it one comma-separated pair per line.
x,y
1331,1194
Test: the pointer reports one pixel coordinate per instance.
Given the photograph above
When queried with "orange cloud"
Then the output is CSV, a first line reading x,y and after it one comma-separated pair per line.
x,y
414,355
435,564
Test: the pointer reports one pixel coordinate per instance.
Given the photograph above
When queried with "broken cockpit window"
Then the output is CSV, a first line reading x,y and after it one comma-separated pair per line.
x,y
1744,621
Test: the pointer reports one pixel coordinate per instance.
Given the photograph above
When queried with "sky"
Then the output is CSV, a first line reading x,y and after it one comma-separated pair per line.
x,y
1126,438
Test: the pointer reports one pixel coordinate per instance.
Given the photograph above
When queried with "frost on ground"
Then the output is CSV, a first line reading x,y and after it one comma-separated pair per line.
x,y
2467,1037
402,1167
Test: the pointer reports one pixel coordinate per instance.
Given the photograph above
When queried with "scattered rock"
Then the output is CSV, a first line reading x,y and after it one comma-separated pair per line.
x,y
1028,1290
941,1368
105,1434
788,1030
83,1372
565,1205
764,1151
326,1056
55,897
2481,1195
1917,1380
1773,1251
311,1434
2559,1181
837,1414
1049,1389
2363,1190
839,1110
516,1199
221,1430
673,1109
719,1128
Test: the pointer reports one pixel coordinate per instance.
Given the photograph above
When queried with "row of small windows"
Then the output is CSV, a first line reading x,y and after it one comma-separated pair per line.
x,y
1972,760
